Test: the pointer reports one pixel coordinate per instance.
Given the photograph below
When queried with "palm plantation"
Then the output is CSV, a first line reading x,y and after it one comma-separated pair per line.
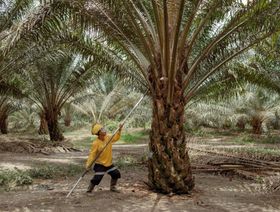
x,y
180,52
176,47
254,106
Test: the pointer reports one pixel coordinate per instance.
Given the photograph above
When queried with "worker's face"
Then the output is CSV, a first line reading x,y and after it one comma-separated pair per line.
x,y
102,132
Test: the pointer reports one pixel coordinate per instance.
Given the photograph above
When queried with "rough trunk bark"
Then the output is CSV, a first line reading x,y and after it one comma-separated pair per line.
x,y
257,126
68,114
241,124
169,163
43,129
276,121
4,124
67,121
54,131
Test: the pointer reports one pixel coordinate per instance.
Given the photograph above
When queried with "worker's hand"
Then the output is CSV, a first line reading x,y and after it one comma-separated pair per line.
x,y
87,169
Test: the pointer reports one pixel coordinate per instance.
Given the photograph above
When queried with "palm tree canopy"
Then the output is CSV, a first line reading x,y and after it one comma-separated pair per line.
x,y
178,40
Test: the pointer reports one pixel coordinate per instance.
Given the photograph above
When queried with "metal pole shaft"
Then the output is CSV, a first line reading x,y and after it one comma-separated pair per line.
x,y
76,184
74,187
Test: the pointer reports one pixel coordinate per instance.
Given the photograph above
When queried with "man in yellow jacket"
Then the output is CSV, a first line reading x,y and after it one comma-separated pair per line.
x,y
103,163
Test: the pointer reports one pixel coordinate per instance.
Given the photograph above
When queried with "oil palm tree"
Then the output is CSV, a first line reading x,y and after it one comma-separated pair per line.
x,y
261,68
9,95
108,98
5,109
51,83
14,53
259,106
67,113
254,106
26,118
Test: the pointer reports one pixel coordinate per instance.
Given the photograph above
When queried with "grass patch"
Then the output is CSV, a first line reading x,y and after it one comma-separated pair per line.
x,y
53,171
83,143
13,178
133,137
256,153
126,161
209,133
249,139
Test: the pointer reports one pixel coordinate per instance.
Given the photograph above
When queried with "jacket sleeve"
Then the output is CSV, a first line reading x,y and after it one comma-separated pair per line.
x,y
92,154
116,137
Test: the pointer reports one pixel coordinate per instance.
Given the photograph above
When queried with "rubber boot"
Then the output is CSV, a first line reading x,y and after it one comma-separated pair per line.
x,y
113,185
90,187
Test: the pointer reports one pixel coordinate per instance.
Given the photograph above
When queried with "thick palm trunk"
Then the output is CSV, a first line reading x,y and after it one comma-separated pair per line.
x,y
276,121
169,163
241,124
257,126
67,118
43,129
4,123
67,121
54,131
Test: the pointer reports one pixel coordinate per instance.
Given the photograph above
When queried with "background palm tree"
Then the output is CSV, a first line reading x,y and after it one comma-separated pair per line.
x,y
5,109
67,113
50,84
25,119
9,95
253,106
109,98
259,107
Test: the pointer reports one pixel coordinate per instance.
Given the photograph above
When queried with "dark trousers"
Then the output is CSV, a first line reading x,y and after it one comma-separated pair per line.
x,y
101,170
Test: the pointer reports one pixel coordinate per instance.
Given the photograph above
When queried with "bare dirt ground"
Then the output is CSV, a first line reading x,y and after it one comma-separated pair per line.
x,y
212,192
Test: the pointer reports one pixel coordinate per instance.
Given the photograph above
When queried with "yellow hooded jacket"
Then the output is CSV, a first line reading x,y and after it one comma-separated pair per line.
x,y
105,158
